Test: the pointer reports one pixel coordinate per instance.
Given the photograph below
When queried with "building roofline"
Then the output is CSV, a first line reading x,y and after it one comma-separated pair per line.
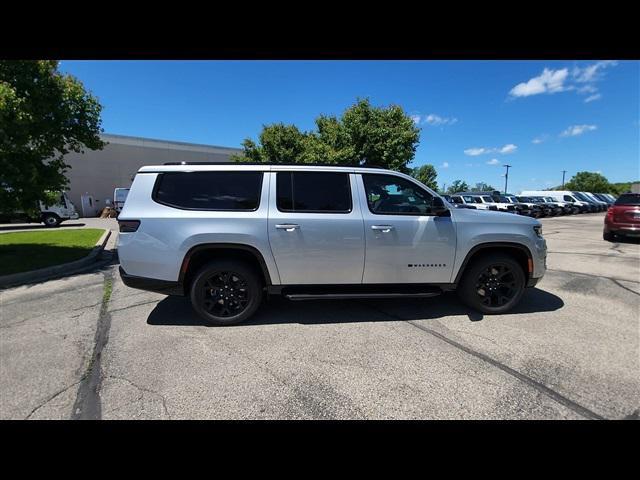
x,y
167,144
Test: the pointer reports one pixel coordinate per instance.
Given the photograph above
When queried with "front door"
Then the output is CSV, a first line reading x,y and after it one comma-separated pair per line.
x,y
316,228
405,242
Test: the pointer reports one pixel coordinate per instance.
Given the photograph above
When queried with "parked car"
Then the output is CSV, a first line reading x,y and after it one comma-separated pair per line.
x,y
593,206
488,200
534,209
465,199
561,195
227,234
457,205
60,210
601,203
521,208
119,197
549,210
623,217
606,199
562,208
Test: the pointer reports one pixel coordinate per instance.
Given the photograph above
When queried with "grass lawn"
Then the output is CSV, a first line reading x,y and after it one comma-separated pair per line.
x,y
25,251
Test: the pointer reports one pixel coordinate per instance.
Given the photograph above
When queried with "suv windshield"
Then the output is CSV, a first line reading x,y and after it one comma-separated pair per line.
x,y
628,199
582,197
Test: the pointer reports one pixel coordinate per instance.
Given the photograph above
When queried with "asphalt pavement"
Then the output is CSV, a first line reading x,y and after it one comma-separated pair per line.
x,y
87,346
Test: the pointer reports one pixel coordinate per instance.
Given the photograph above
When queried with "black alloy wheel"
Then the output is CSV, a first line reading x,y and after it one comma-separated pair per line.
x,y
496,285
492,283
226,292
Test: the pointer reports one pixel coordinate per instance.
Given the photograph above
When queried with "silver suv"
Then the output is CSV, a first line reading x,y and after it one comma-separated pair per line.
x,y
226,235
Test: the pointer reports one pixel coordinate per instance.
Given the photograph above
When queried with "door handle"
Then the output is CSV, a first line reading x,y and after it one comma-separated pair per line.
x,y
383,228
289,227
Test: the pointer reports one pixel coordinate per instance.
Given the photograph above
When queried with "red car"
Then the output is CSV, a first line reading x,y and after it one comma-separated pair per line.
x,y
623,217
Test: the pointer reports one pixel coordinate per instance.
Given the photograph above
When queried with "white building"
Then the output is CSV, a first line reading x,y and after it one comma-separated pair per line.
x,y
96,173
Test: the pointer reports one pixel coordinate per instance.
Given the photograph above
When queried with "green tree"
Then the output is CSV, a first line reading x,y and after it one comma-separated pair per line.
x,y
364,135
621,187
589,182
426,174
458,186
483,187
278,143
43,116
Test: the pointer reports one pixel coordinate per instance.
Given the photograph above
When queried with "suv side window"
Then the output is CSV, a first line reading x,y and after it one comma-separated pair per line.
x,y
313,192
391,195
568,198
209,190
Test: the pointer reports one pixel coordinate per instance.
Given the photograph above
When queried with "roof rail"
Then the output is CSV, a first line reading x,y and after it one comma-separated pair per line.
x,y
275,164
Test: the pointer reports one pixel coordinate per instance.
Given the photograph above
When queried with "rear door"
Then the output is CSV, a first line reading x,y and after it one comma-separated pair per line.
x,y
315,227
405,243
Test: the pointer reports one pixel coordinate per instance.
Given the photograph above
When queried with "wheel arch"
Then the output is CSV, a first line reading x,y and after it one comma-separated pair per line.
x,y
201,254
520,252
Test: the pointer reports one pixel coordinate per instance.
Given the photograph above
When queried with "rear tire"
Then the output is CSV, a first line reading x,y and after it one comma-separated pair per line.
x,y
226,292
51,220
492,284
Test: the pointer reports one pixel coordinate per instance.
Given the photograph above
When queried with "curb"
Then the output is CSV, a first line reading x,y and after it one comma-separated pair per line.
x,y
34,276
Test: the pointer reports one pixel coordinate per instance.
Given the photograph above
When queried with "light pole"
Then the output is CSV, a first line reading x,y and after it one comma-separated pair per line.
x,y
506,178
563,172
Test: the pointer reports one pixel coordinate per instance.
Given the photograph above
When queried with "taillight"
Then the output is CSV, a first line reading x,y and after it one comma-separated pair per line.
x,y
610,213
128,225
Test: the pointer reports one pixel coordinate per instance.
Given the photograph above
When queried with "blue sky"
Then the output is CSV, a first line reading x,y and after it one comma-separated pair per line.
x,y
541,117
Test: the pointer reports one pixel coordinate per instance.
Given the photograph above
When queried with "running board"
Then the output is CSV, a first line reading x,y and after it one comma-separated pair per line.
x,y
352,296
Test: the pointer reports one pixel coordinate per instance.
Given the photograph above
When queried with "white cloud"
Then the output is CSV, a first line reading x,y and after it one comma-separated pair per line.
x,y
540,138
591,98
445,165
582,80
475,151
549,81
435,120
510,148
591,73
506,149
493,161
575,130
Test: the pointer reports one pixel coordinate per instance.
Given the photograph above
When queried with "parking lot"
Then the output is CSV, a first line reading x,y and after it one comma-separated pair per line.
x,y
87,346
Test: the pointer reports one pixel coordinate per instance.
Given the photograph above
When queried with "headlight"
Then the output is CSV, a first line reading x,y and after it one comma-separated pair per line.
x,y
538,230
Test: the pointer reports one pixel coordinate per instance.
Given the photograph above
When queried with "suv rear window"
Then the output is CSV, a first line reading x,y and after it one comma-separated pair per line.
x,y
628,199
209,190
313,192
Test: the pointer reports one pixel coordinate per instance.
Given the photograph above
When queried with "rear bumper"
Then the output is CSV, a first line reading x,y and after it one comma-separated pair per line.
x,y
532,282
151,284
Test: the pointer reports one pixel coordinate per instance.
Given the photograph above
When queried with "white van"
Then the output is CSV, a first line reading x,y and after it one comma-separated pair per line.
x,y
119,197
51,215
560,196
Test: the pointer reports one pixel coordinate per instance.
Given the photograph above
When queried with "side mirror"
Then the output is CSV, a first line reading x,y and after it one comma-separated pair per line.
x,y
439,209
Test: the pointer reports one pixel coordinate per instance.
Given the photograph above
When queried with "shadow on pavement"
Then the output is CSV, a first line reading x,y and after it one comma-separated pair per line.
x,y
36,226
177,310
633,240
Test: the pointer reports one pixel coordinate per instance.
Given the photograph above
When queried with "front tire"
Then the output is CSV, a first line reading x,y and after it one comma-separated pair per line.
x,y
492,284
608,236
51,220
226,292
